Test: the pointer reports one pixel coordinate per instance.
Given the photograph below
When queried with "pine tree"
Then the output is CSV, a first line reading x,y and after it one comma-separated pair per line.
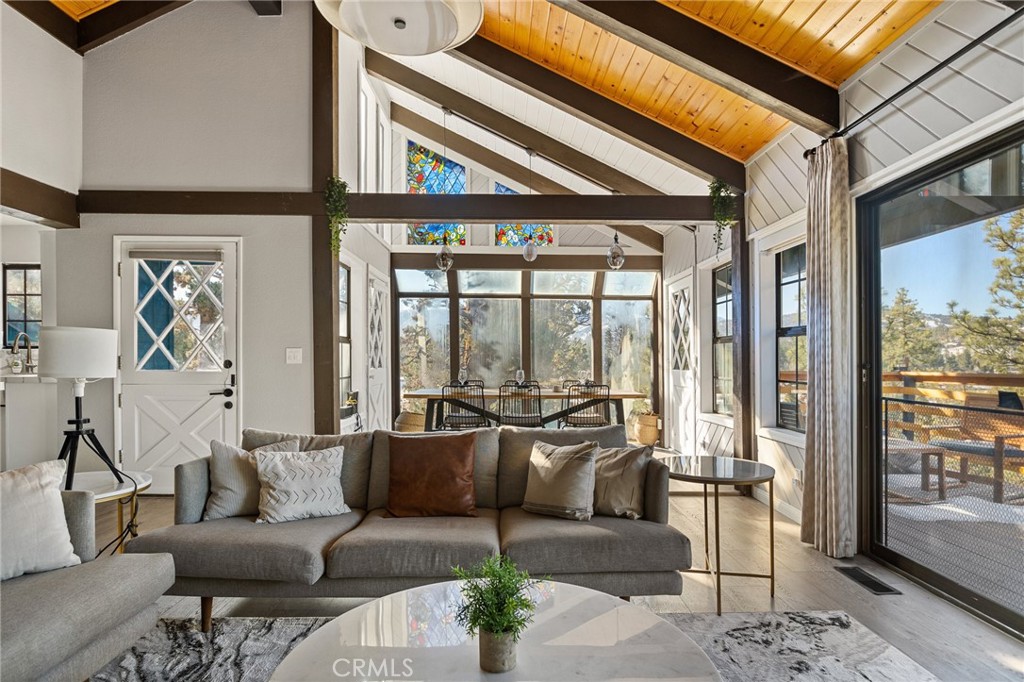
x,y
907,341
995,339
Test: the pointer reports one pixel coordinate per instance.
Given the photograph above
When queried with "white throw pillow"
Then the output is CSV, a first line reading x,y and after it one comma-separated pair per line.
x,y
33,531
300,485
234,485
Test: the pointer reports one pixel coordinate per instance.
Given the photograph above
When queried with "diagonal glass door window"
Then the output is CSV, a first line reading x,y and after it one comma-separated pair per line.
x,y
179,315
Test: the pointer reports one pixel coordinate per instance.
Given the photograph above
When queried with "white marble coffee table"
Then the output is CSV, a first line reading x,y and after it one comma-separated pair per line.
x,y
576,634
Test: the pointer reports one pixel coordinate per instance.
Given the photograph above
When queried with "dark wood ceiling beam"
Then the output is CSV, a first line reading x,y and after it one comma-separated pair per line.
x,y
501,165
576,209
97,28
268,8
714,55
440,95
36,201
593,107
120,18
514,261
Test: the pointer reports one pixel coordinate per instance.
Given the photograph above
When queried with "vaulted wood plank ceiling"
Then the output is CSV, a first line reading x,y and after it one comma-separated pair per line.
x,y
827,39
647,83
79,9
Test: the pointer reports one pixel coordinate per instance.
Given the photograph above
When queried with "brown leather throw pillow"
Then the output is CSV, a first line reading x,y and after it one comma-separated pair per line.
x,y
432,475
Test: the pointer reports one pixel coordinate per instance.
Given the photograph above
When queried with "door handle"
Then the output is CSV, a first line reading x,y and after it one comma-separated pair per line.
x,y
226,392
228,405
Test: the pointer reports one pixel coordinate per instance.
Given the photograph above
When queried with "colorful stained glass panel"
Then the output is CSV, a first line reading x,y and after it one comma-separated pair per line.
x,y
427,172
519,235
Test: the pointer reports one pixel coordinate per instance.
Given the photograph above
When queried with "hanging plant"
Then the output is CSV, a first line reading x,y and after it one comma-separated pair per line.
x,y
336,200
723,208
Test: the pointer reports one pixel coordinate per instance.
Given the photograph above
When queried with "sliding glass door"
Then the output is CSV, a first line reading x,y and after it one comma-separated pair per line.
x,y
942,263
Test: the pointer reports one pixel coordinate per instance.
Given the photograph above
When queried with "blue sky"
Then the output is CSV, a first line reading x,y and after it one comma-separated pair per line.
x,y
955,265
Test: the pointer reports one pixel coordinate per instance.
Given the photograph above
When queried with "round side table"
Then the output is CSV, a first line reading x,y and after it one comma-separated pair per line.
x,y
106,488
719,471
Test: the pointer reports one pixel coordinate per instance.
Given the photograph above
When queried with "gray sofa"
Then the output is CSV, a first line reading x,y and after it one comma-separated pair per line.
x,y
67,623
367,553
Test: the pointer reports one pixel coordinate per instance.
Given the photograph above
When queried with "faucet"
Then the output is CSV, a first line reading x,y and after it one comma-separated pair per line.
x,y
29,365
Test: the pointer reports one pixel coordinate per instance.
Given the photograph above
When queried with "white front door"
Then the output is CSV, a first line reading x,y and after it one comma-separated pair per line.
x,y
378,347
681,388
179,348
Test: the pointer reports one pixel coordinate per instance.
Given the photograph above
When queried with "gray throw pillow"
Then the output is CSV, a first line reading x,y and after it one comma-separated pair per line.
x,y
34,534
620,477
300,485
234,485
560,481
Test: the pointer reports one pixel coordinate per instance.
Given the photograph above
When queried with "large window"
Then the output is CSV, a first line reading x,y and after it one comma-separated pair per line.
x,y
942,257
548,323
791,332
23,302
344,333
721,341
427,172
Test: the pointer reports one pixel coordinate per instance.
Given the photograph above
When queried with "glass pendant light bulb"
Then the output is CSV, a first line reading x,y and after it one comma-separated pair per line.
x,y
445,257
530,250
616,256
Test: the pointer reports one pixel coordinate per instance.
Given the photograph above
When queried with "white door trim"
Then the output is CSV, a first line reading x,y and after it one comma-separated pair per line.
x,y
174,241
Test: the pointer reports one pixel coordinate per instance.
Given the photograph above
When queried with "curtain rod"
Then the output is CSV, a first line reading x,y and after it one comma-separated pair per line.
x,y
925,76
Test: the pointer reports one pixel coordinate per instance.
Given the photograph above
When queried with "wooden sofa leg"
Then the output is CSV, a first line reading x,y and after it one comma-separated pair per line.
x,y
206,613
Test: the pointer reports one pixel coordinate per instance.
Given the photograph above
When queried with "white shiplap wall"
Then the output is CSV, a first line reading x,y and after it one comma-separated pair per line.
x,y
987,81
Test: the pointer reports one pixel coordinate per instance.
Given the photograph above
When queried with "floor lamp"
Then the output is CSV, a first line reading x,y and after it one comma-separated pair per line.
x,y
81,354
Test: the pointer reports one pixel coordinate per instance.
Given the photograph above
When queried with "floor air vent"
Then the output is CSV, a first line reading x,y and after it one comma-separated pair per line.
x,y
868,581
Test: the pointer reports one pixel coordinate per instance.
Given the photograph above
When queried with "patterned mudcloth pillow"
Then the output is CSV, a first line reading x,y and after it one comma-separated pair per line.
x,y
234,486
621,474
300,485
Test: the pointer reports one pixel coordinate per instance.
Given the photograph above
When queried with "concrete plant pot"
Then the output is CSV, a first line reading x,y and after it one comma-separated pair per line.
x,y
497,652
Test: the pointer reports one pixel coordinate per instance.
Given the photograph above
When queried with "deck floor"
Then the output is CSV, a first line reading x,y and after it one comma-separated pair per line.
x,y
948,641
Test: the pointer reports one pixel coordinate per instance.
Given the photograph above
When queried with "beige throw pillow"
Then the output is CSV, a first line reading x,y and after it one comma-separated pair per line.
x,y
560,481
621,474
300,485
34,534
234,486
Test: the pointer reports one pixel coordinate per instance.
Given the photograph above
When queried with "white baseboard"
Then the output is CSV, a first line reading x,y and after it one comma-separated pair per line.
x,y
789,511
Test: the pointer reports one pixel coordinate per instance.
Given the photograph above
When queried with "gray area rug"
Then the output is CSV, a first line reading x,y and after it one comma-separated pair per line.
x,y
761,647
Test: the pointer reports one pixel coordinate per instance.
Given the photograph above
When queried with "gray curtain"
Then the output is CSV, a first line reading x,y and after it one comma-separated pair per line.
x,y
828,510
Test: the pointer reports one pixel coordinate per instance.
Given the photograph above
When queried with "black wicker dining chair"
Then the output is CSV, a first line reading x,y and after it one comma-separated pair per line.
x,y
458,418
519,404
594,415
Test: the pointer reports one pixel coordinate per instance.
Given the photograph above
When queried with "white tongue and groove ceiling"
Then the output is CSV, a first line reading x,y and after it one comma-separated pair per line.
x,y
546,119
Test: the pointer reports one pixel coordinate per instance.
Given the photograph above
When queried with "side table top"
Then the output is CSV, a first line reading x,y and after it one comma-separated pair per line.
x,y
105,487
708,469
576,633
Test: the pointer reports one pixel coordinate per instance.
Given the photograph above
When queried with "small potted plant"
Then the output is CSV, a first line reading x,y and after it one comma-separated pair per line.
x,y
497,606
647,430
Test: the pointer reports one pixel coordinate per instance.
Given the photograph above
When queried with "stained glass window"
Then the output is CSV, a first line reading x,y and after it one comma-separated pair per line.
x,y
517,235
427,172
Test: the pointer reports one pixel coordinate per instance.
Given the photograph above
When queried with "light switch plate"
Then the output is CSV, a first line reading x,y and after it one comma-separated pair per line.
x,y
293,356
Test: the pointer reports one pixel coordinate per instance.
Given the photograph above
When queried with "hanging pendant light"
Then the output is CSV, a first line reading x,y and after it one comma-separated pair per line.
x,y
445,257
405,27
530,250
616,256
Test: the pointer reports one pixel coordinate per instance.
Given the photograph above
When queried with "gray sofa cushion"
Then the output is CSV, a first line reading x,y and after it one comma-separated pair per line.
x,y
385,546
517,443
49,616
242,549
355,469
604,544
485,469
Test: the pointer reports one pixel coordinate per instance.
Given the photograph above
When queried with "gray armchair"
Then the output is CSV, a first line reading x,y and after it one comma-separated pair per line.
x,y
67,623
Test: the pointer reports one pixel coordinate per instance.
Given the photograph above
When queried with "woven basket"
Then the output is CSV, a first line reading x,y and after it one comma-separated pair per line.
x,y
647,431
408,422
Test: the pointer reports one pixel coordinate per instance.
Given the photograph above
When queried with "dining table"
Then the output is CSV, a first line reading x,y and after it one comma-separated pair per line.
x,y
436,401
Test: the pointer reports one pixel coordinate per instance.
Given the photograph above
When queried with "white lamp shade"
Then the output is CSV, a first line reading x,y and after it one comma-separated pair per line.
x,y
77,353
405,27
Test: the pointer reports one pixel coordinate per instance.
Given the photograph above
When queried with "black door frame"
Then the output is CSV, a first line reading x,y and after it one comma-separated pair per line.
x,y
870,391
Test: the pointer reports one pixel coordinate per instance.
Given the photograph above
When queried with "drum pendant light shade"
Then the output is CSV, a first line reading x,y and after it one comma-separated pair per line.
x,y
405,27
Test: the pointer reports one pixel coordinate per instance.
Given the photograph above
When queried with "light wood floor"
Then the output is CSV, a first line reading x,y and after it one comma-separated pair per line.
x,y
949,642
